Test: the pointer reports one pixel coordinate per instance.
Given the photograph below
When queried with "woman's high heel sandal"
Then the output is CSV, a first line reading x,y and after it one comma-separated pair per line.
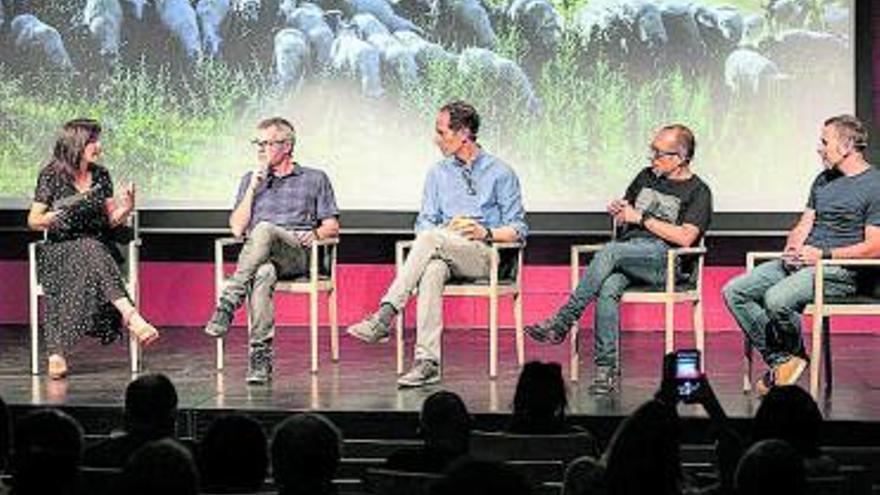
x,y
145,333
57,367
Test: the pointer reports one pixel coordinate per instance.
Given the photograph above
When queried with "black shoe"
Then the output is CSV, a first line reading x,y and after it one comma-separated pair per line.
x,y
218,325
550,331
604,381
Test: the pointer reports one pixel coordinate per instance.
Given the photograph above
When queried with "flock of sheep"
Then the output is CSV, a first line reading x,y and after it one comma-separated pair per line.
x,y
378,43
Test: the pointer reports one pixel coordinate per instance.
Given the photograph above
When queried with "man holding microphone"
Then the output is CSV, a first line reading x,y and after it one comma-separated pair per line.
x,y
281,208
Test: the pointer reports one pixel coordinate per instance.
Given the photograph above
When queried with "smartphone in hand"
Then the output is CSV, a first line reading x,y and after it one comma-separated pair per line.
x,y
688,373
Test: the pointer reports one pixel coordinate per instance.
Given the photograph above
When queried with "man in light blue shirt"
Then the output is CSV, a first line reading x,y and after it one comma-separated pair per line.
x,y
470,200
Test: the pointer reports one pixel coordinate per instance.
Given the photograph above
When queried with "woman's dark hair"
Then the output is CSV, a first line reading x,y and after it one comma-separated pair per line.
x,y
789,413
71,143
540,400
445,423
47,452
644,452
233,455
163,466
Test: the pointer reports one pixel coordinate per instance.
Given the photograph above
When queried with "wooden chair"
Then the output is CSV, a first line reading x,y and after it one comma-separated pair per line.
x,y
672,292
864,303
505,279
130,271
321,277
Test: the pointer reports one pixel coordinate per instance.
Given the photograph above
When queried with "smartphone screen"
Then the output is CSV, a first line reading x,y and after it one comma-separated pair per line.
x,y
687,372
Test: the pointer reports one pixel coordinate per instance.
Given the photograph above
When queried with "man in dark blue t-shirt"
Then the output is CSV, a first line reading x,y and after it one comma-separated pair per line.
x,y
282,207
665,205
841,220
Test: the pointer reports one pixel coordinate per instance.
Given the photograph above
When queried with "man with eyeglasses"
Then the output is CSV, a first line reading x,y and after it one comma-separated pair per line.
x,y
665,205
470,200
841,220
281,207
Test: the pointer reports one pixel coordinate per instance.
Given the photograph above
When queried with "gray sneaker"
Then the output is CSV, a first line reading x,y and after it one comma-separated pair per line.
x,y
604,381
424,372
259,367
259,376
218,326
371,330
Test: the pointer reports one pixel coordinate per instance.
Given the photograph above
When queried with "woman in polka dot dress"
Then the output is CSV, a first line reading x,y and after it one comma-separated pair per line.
x,y
78,266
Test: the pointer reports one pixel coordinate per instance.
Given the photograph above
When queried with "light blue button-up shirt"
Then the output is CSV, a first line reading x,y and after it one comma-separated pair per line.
x,y
489,192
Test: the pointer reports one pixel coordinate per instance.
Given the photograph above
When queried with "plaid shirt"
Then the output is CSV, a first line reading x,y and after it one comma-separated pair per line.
x,y
297,201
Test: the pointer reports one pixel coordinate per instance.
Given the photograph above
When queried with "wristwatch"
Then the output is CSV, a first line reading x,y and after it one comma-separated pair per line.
x,y
826,253
489,236
645,217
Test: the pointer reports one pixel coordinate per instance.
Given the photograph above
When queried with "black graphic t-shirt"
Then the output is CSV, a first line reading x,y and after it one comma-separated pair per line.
x,y
674,201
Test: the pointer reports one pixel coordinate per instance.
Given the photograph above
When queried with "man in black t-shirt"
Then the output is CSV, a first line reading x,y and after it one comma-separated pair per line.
x,y
841,220
665,206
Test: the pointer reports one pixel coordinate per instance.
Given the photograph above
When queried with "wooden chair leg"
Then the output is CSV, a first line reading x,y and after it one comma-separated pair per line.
x,y
220,352
669,326
747,365
134,351
334,325
816,356
518,323
575,348
35,332
826,352
398,336
493,336
700,332
313,328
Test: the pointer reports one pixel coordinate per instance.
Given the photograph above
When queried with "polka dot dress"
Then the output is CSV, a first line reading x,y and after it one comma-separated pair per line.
x,y
78,265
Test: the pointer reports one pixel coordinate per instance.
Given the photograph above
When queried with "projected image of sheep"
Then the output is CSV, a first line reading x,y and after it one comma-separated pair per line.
x,y
569,90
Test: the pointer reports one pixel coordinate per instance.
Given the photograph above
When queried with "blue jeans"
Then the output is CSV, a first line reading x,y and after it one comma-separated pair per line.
x,y
614,268
767,304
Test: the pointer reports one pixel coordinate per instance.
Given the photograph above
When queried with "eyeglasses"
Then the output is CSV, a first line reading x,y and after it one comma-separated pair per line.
x,y
466,174
655,154
262,144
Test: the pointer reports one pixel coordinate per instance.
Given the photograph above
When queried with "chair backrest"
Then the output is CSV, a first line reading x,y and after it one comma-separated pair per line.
x,y
691,266
512,446
391,482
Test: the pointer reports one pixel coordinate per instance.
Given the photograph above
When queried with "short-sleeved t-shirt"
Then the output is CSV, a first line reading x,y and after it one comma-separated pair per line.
x,y
86,217
674,201
296,201
844,205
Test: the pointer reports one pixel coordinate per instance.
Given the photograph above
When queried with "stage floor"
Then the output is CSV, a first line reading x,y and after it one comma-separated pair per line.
x,y
364,379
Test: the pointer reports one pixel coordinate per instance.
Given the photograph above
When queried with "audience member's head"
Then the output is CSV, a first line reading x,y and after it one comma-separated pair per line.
x,y
770,467
306,449
584,476
478,477
162,467
5,435
644,452
47,453
234,455
151,406
540,400
445,423
789,413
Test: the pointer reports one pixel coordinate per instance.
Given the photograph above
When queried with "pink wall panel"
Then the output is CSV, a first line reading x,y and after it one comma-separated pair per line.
x,y
181,294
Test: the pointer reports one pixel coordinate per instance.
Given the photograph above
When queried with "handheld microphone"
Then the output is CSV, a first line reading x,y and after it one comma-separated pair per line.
x,y
270,177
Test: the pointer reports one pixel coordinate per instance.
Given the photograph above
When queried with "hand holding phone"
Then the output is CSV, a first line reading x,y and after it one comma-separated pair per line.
x,y
688,374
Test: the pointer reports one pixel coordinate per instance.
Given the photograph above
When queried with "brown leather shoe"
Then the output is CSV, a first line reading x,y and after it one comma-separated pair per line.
x,y
788,372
